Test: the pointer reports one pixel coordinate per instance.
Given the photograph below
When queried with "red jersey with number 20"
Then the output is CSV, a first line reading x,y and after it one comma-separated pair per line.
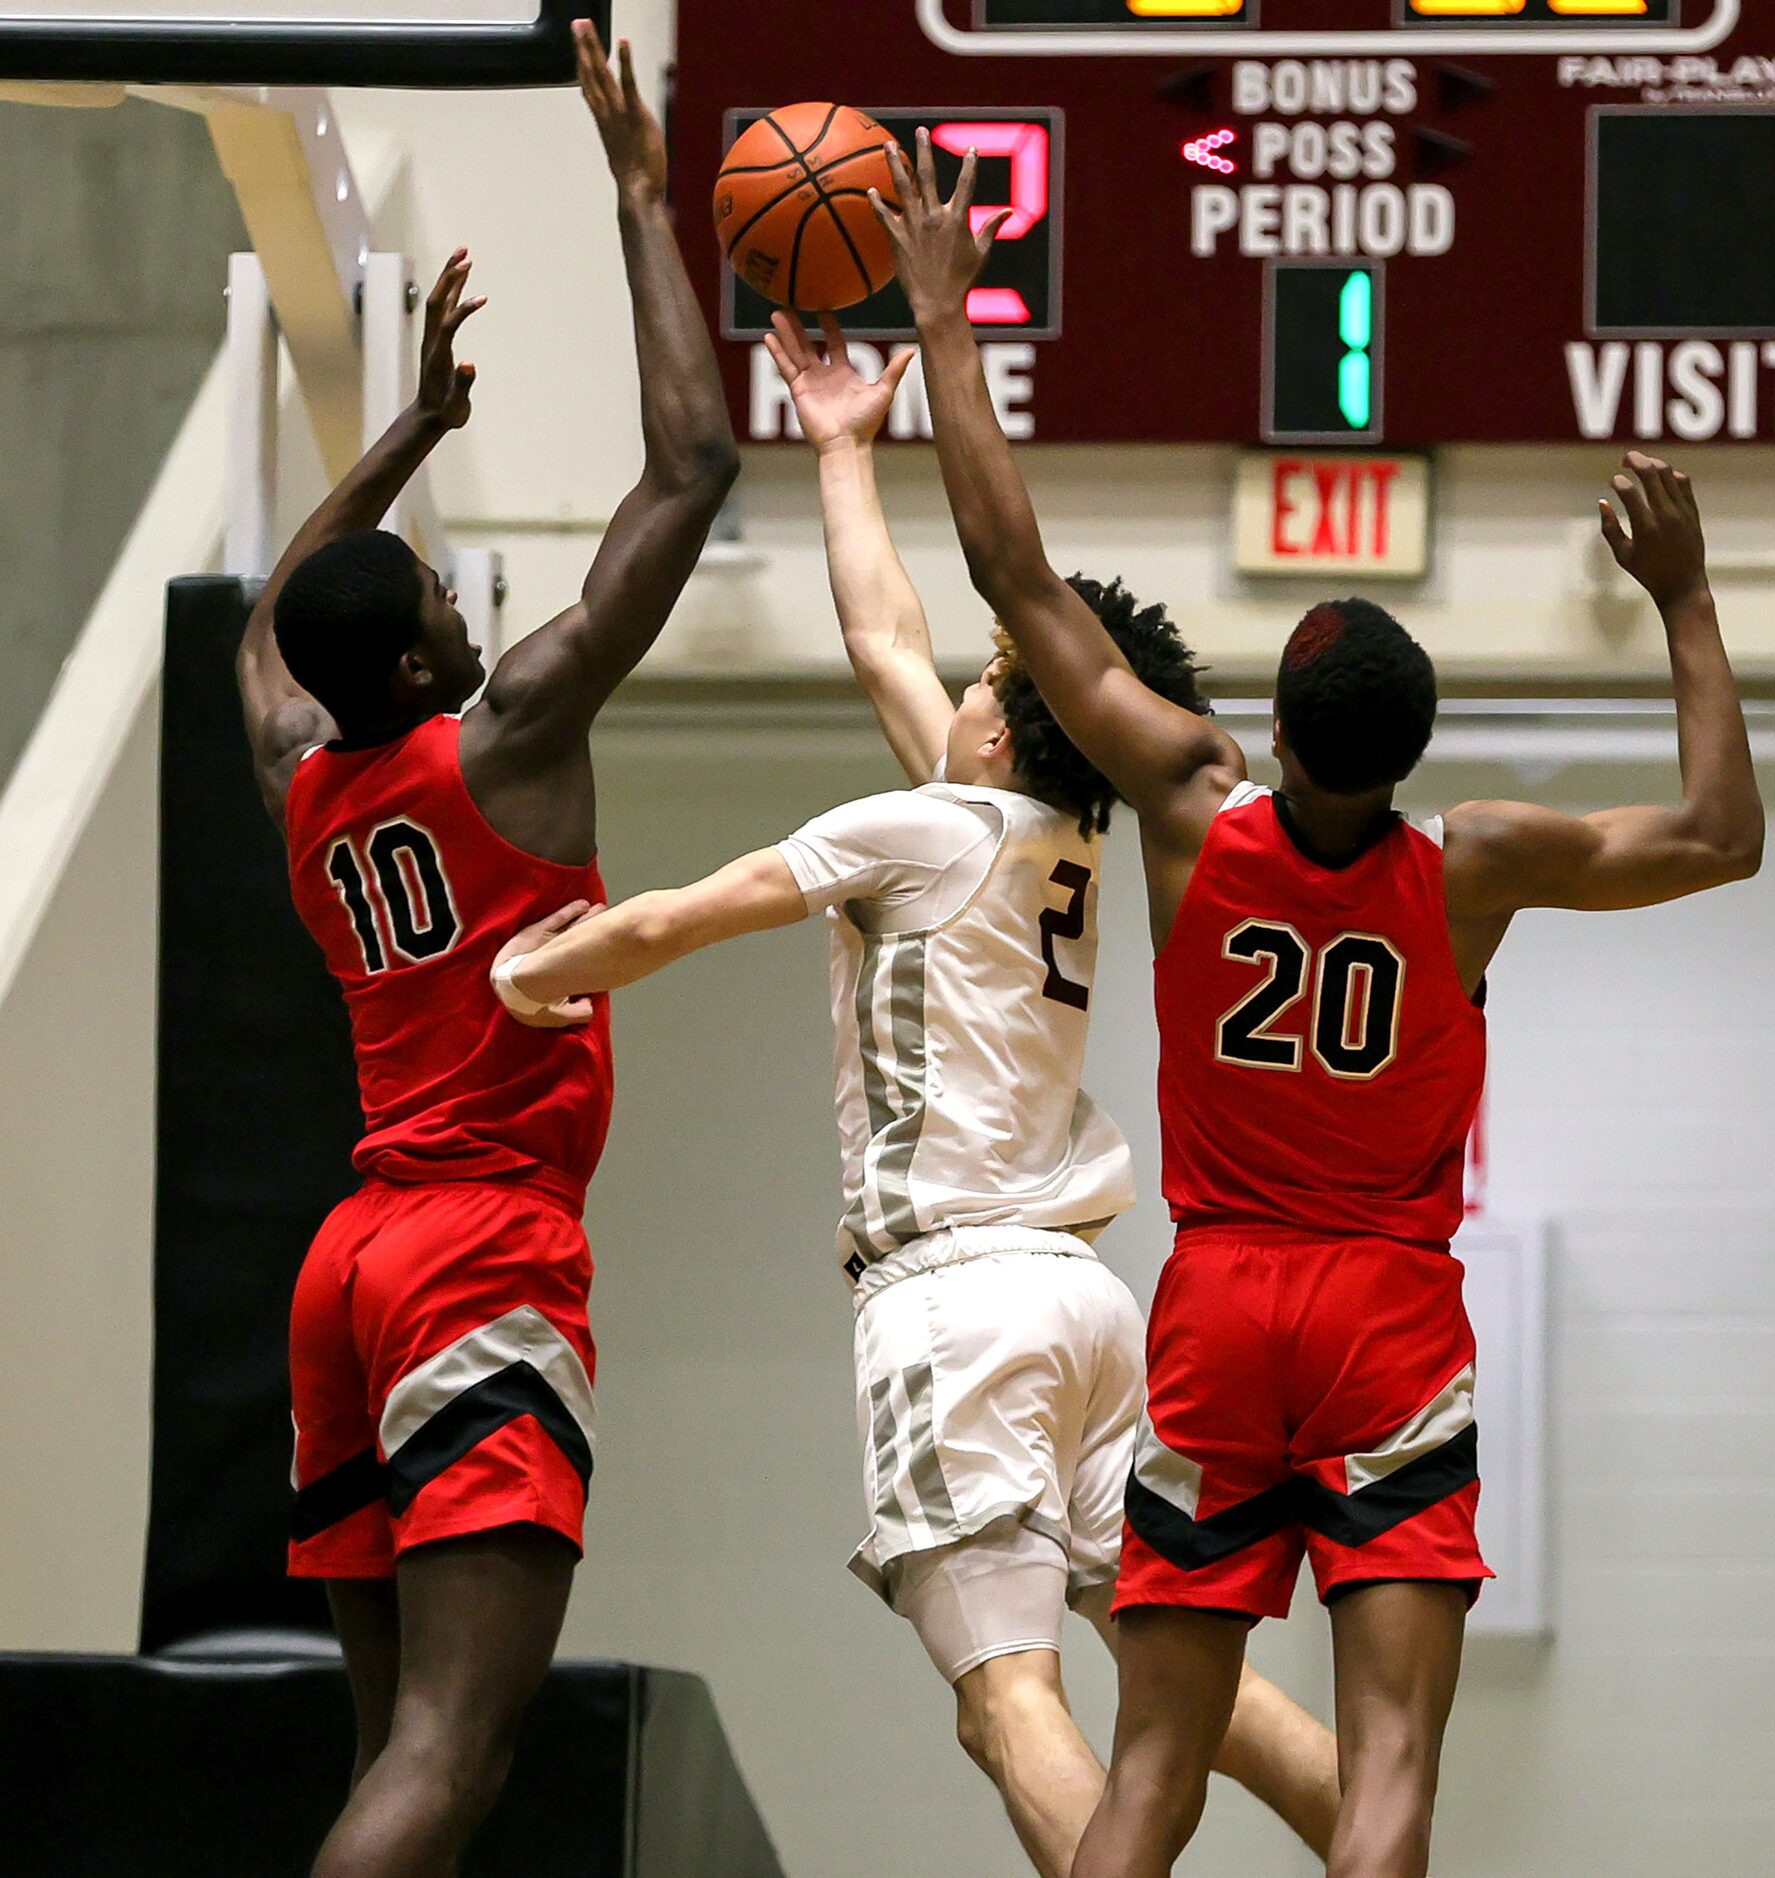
x,y
1320,1062
410,894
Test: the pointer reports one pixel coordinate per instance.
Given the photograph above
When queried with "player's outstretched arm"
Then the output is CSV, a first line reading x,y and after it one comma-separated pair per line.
x,y
547,690
879,611
282,719
1507,855
543,980
1147,746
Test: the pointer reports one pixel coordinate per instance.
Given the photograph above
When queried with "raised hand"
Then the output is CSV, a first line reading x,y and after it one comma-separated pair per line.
x,y
835,402
940,246
633,140
1666,551
446,388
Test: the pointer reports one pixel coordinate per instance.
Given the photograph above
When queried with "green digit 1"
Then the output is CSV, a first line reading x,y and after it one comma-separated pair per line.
x,y
1355,325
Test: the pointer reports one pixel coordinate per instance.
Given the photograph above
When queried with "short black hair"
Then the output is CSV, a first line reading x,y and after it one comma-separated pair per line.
x,y
1356,697
345,617
1051,766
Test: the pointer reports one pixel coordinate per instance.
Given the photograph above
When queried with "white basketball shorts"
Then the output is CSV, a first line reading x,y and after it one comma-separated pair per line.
x,y
1000,1375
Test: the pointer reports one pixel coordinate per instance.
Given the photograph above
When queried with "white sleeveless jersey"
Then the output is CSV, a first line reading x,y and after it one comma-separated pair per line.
x,y
964,947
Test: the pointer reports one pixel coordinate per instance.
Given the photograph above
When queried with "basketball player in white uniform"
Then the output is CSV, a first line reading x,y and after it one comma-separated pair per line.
x,y
1000,1366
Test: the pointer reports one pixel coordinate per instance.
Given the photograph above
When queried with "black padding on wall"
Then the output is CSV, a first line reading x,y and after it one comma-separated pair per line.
x,y
256,1119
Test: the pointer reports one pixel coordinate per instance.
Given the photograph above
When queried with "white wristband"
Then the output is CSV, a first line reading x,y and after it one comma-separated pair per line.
x,y
510,995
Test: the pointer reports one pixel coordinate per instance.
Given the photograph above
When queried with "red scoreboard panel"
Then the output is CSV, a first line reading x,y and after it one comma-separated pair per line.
x,y
1392,222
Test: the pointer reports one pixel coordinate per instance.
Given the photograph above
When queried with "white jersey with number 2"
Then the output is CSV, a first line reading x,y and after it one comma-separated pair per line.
x,y
964,946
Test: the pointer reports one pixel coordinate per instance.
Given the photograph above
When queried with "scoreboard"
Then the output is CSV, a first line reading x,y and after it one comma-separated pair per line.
x,y
1391,223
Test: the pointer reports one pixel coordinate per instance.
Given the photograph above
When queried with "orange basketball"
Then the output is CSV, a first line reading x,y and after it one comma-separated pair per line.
x,y
792,207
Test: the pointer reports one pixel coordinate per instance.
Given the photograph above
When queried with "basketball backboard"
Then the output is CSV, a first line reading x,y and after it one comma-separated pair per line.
x,y
452,44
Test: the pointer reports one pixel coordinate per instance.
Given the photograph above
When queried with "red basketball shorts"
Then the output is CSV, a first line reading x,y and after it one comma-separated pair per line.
x,y
1304,1396
441,1370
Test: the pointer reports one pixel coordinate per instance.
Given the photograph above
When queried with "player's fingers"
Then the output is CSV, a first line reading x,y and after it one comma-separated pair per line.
x,y
446,292
1654,476
927,171
801,344
1686,497
837,346
779,357
1614,534
1676,489
890,218
989,233
1633,498
963,199
446,273
901,173
631,90
568,1014
458,316
897,368
569,915
594,67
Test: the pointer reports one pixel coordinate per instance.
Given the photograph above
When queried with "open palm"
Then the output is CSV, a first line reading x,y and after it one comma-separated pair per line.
x,y
834,401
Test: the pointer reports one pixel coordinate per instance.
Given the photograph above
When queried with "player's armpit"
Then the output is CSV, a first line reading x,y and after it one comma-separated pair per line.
x,y
1505,856
282,729
642,935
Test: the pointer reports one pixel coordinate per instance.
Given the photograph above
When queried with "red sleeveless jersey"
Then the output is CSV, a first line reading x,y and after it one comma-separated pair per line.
x,y
1320,1062
410,894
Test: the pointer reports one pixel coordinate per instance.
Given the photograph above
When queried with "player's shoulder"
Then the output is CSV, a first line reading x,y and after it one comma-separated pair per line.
x,y
899,821
1490,848
1478,832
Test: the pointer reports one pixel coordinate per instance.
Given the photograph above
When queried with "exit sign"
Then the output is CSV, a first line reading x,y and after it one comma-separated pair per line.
x,y
1344,513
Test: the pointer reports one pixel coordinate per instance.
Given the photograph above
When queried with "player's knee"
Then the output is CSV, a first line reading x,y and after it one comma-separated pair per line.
x,y
461,1761
1395,1747
998,1708
1163,1771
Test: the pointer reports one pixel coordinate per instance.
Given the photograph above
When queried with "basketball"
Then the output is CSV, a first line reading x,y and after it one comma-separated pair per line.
x,y
792,207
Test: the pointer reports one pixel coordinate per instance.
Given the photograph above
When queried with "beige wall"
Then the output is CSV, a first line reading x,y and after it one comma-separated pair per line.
x,y
1633,1087
76,1235
1634,1074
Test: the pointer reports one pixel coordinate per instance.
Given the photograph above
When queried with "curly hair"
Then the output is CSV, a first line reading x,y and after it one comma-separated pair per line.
x,y
1356,697
1050,765
346,615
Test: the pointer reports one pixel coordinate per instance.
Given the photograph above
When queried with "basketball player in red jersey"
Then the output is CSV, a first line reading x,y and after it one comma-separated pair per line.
x,y
1320,973
440,1353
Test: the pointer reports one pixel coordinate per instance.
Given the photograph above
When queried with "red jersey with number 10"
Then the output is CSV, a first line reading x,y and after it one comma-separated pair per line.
x,y
410,894
1320,1062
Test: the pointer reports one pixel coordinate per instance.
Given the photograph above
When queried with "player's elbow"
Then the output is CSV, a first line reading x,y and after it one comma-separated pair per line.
x,y
1735,837
991,565
701,473
1006,573
1743,855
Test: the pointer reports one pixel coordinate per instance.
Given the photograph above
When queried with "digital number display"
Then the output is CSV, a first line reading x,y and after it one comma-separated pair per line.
x,y
1021,168
1539,12
1685,222
1323,334
1008,15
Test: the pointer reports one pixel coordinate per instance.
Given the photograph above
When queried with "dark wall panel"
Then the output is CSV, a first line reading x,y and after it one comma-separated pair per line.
x,y
256,1119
